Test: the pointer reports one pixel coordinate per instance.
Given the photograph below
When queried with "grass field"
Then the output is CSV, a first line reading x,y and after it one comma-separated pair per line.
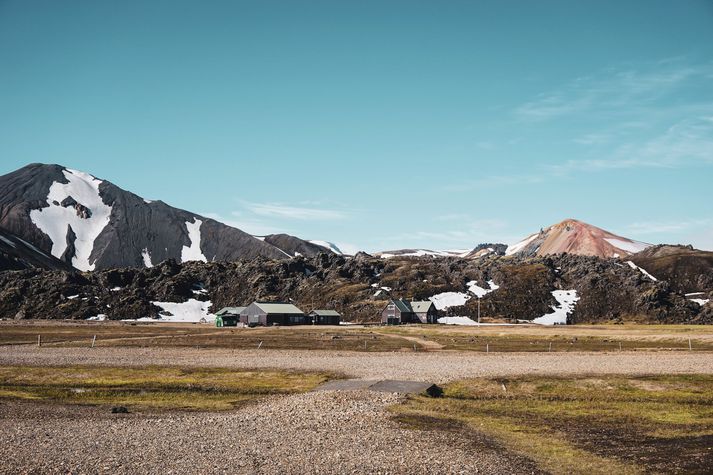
x,y
595,424
153,387
516,338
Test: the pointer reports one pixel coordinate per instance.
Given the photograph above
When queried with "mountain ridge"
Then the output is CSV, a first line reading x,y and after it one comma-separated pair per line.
x,y
93,224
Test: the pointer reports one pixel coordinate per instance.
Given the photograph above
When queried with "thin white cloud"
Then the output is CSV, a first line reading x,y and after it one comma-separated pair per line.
x,y
253,226
656,227
278,210
614,90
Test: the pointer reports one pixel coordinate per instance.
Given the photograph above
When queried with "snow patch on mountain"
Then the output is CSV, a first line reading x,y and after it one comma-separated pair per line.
x,y
514,248
191,311
55,219
193,252
328,245
567,299
629,246
480,292
445,300
640,269
146,257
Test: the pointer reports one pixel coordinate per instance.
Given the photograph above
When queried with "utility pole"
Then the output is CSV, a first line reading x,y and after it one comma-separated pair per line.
x,y
478,310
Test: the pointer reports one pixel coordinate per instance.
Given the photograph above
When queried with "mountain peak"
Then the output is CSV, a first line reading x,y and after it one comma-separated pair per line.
x,y
573,236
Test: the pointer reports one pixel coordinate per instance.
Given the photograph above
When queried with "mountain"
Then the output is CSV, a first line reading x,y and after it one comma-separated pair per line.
x,y
518,289
687,270
17,254
576,237
93,224
421,253
293,246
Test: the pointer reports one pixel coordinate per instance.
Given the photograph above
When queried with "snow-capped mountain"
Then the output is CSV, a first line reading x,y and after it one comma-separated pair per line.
x,y
92,224
575,237
422,253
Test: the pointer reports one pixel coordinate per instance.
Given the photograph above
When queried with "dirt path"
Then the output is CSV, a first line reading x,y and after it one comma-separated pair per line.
x,y
425,344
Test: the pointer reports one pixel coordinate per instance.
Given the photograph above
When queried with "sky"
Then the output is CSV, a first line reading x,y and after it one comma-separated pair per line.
x,y
376,125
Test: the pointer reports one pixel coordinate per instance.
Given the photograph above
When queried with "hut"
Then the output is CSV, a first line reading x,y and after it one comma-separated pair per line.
x,y
425,311
325,317
272,313
228,316
399,311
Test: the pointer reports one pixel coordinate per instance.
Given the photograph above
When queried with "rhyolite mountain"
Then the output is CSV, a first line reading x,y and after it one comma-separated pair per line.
x,y
576,237
93,224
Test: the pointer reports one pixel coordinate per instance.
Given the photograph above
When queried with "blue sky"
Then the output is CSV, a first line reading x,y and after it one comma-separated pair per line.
x,y
376,124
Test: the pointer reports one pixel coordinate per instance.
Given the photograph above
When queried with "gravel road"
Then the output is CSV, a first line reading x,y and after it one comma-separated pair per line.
x,y
432,367
320,432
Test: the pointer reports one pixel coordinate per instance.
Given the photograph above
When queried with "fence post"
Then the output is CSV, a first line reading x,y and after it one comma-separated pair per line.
x,y
487,347
94,340
259,345
550,347
690,347
39,340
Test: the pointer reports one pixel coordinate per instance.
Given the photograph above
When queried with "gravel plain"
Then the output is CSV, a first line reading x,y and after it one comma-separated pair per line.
x,y
319,432
435,367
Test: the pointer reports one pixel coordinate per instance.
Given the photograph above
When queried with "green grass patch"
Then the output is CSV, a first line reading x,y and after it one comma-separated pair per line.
x,y
595,424
155,387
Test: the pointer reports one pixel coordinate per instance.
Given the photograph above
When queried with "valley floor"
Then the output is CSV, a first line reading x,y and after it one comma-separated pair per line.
x,y
316,431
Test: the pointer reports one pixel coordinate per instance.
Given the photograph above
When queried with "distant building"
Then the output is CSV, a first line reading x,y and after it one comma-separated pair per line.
x,y
425,311
272,313
228,316
399,311
325,317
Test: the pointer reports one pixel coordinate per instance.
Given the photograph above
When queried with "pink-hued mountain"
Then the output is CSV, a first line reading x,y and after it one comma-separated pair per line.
x,y
575,237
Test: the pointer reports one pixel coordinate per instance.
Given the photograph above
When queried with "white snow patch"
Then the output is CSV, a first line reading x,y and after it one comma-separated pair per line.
x,y
375,285
631,247
480,292
700,302
512,249
693,294
635,267
98,318
146,256
115,289
328,245
193,253
191,311
377,293
445,300
55,219
457,321
567,299
72,297
388,289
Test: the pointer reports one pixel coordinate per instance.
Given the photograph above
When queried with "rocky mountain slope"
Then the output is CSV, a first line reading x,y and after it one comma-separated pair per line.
x,y
688,270
359,287
576,237
17,254
92,224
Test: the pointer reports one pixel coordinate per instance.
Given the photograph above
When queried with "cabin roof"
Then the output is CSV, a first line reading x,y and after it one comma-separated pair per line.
x,y
325,313
279,307
229,311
